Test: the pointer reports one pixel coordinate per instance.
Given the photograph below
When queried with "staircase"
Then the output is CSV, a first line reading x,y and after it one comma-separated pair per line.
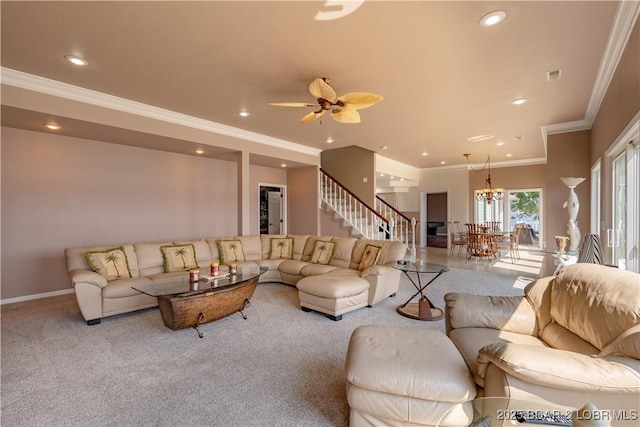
x,y
382,222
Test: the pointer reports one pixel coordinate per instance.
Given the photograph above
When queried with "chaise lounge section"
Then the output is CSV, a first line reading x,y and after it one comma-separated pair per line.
x,y
333,275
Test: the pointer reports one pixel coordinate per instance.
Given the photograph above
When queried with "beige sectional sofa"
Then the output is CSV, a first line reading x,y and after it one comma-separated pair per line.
x,y
332,282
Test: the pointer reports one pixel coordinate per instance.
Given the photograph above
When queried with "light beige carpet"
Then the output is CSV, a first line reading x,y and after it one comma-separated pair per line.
x,y
280,367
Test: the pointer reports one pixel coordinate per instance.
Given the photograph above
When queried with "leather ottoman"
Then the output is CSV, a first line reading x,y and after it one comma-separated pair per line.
x,y
333,294
407,376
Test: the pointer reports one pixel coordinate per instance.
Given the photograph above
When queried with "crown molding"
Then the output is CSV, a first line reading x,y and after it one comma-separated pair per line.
x,y
623,23
46,86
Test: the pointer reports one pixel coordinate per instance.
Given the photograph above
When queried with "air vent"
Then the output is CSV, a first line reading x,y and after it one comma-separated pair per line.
x,y
554,74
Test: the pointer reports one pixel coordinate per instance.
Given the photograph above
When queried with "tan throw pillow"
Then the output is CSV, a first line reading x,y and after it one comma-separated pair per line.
x,y
179,257
230,251
112,264
322,252
281,248
370,256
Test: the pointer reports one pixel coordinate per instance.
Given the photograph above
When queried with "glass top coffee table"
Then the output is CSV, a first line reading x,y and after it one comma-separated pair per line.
x,y
185,303
423,309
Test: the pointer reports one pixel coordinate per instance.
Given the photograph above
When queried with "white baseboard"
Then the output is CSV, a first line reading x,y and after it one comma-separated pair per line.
x,y
35,296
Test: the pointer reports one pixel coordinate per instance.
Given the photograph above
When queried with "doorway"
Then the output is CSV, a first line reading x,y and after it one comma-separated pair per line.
x,y
272,212
436,219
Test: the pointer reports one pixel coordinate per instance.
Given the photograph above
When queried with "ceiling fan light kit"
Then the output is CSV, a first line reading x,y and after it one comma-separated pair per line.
x,y
344,109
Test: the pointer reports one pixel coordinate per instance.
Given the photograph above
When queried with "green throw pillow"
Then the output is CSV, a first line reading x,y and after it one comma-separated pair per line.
x,y
281,248
179,257
230,250
112,264
370,256
322,252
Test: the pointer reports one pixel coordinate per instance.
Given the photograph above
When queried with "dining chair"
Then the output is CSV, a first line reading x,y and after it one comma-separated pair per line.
x,y
456,237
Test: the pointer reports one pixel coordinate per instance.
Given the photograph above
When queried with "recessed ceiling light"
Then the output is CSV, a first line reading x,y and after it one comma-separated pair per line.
x,y
76,60
499,143
52,125
200,151
401,179
509,155
392,177
243,113
424,153
519,101
479,138
283,165
383,147
443,162
493,18
329,140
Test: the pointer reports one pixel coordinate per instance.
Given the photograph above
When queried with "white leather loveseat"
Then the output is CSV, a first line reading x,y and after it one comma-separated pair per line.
x,y
334,275
571,339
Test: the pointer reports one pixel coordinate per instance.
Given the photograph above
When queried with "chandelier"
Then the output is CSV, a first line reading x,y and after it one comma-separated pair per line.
x,y
488,193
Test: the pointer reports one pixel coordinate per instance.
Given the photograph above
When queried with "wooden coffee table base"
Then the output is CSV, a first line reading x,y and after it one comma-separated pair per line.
x,y
193,310
421,310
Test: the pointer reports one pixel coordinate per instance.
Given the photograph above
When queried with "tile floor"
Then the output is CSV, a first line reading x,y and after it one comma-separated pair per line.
x,y
532,263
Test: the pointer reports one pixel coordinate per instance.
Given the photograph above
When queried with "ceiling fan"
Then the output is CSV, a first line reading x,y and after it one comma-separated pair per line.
x,y
343,108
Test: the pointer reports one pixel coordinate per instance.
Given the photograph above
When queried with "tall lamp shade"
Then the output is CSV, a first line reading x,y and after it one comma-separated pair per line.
x,y
591,250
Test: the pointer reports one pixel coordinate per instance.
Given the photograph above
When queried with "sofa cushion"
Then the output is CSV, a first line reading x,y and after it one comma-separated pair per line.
x,y
112,264
299,243
595,302
265,243
150,258
122,288
369,257
391,251
310,246
231,250
317,269
343,250
333,287
178,257
76,259
469,341
292,266
271,264
252,247
322,252
280,248
213,247
203,252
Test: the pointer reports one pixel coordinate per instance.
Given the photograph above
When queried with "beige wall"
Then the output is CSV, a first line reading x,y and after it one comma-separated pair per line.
x,y
303,210
567,156
622,100
350,165
59,192
619,107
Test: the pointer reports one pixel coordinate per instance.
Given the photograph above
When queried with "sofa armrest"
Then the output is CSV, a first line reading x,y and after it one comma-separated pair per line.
x,y
87,276
559,369
376,270
508,313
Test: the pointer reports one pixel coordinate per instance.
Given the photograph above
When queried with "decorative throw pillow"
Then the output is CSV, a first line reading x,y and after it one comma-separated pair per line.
x,y
322,252
179,257
369,256
112,263
230,251
281,248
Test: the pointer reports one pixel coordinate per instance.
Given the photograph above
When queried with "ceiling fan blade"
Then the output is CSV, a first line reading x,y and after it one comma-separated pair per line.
x,y
320,89
292,104
346,115
360,100
311,116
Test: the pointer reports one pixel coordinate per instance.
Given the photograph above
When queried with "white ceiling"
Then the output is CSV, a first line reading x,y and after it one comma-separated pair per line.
x,y
444,78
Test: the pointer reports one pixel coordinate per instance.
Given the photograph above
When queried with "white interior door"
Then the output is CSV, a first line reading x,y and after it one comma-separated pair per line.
x,y
274,216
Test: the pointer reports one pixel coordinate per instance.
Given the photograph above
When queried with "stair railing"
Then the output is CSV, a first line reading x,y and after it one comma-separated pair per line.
x,y
405,227
357,213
